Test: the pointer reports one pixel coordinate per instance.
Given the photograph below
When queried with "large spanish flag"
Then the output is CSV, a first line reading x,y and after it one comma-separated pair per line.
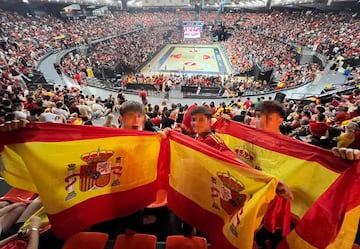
x,y
332,221
307,169
222,197
326,188
84,175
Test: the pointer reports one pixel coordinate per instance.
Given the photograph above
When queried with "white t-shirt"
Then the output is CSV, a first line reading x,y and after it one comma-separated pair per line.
x,y
18,115
97,107
49,117
60,111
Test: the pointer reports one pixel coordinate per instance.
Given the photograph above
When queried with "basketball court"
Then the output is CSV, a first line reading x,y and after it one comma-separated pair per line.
x,y
189,59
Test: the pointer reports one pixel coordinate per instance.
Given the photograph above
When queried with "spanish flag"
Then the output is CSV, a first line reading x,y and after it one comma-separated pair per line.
x,y
84,175
313,174
332,221
222,197
307,169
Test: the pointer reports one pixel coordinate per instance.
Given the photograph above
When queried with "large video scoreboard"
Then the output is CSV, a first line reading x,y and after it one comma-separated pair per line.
x,y
192,29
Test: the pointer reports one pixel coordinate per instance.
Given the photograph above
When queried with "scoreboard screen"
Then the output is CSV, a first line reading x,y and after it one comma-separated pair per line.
x,y
192,32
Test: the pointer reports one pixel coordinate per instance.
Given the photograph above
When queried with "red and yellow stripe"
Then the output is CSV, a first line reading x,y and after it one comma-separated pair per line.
x,y
307,169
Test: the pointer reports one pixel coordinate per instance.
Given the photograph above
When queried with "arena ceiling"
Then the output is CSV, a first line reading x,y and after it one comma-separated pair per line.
x,y
350,5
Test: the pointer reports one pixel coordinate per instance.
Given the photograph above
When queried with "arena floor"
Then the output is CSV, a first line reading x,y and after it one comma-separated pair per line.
x,y
189,59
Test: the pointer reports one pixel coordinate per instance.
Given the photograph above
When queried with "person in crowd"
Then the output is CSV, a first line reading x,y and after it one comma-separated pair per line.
x,y
167,122
48,117
143,96
301,132
201,124
61,109
98,110
342,115
19,112
317,128
110,102
348,137
13,216
120,99
201,121
329,141
132,115
269,115
85,111
109,121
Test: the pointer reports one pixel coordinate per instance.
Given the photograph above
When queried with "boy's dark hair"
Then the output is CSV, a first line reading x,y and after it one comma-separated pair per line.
x,y
320,109
59,104
167,114
269,106
307,114
7,102
201,110
15,105
321,117
88,122
131,106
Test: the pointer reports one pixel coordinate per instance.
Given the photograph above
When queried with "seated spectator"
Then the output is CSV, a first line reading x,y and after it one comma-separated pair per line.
x,y
109,121
84,110
342,115
329,140
348,137
19,112
60,109
48,117
74,109
167,122
240,117
120,99
30,103
319,127
99,110
318,109
13,216
301,131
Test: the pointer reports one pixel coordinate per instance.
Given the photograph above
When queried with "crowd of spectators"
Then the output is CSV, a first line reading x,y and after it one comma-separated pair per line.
x,y
247,49
25,39
331,124
327,33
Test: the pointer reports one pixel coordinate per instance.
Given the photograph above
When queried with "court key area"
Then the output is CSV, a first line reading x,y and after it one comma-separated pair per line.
x,y
189,59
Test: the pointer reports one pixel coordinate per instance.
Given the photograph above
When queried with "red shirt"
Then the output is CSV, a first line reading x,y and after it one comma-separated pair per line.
x,y
29,106
341,116
216,142
142,94
318,129
352,98
247,104
335,103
